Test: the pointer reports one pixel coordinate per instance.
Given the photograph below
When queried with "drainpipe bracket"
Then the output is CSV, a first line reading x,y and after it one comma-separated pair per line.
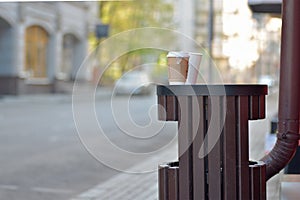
x,y
288,129
288,136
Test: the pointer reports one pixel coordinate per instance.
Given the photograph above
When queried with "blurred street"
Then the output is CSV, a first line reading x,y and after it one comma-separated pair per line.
x,y
42,156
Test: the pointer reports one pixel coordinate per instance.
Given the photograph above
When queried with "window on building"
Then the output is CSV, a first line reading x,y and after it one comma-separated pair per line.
x,y
6,48
36,49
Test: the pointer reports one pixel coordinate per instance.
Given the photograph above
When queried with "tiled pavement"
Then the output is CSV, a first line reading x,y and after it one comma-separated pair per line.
x,y
126,186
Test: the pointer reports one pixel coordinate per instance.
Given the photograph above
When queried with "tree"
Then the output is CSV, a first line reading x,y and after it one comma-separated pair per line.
x,y
126,15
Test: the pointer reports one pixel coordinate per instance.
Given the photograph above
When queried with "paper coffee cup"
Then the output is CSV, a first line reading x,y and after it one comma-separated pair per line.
x,y
193,68
177,67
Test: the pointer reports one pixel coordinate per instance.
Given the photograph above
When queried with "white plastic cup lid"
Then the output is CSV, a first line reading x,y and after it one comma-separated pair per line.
x,y
195,54
178,54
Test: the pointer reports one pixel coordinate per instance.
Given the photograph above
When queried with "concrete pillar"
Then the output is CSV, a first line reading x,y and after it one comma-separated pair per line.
x,y
19,49
58,53
80,55
51,57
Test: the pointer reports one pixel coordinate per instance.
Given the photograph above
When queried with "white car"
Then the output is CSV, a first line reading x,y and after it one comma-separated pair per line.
x,y
133,83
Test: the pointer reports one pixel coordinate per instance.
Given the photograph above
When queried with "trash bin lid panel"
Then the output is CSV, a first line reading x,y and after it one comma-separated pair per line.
x,y
212,90
265,6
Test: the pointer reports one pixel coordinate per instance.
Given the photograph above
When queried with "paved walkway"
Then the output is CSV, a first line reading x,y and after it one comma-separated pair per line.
x,y
127,186
101,92
145,186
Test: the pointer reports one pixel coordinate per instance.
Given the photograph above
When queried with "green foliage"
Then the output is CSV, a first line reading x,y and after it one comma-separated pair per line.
x,y
154,61
126,15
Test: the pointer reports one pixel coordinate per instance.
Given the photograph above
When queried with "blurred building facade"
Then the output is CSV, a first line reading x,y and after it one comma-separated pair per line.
x,y
244,45
43,44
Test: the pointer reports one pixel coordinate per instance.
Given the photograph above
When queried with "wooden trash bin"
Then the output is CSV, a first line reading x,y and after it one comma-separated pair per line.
x,y
213,145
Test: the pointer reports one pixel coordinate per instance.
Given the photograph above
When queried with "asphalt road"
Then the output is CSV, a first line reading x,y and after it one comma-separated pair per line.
x,y
42,156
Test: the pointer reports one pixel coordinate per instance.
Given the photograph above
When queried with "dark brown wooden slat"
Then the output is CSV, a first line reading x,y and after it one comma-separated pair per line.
x,y
163,182
242,147
262,107
254,107
255,182
162,110
185,148
229,151
214,156
173,183
171,108
199,130
263,181
175,106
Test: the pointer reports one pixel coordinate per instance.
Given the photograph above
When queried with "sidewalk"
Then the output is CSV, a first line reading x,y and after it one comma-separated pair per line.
x,y
145,186
127,186
101,92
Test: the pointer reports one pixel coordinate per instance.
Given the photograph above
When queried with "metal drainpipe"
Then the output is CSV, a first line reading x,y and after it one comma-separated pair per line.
x,y
288,115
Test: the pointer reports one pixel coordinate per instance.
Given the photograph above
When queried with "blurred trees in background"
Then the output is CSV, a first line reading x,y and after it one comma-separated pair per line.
x,y
126,15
